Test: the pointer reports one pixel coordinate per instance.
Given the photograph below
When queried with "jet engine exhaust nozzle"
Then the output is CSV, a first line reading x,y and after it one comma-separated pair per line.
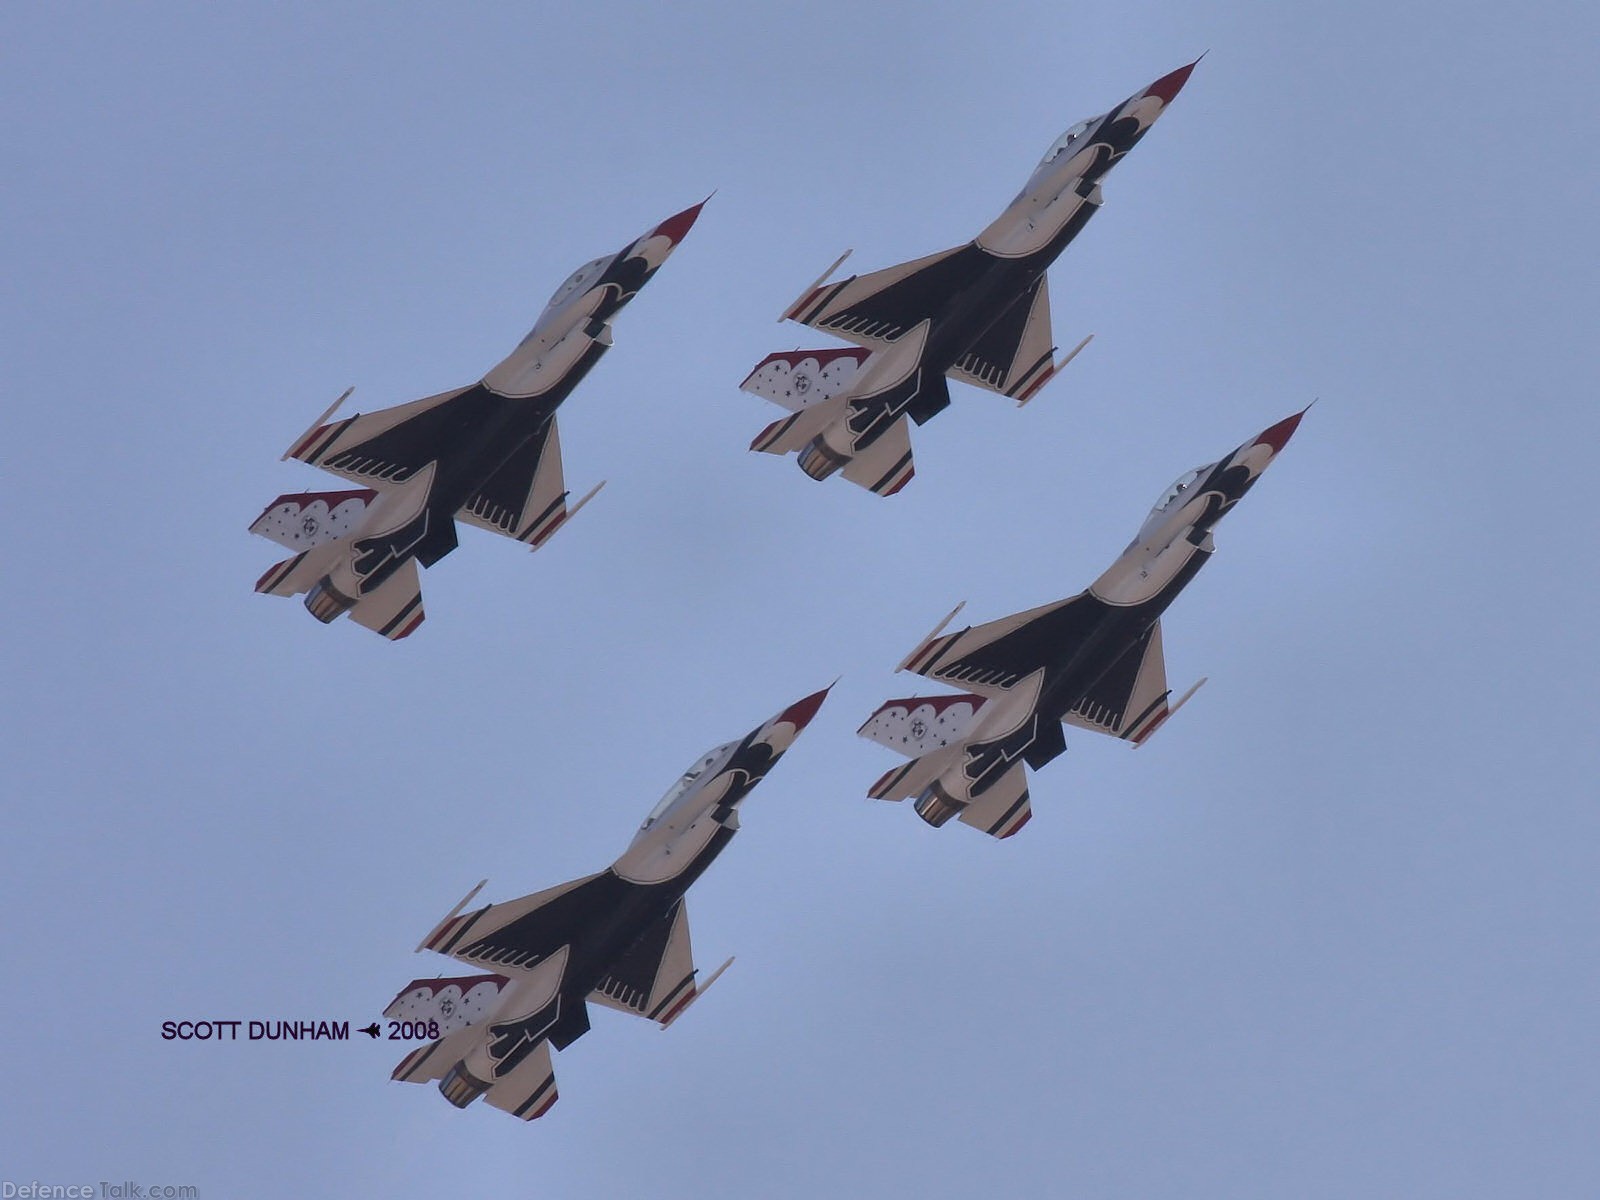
x,y
819,461
460,1086
326,602
936,806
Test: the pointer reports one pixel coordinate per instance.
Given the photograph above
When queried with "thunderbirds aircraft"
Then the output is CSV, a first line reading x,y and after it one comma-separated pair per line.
x,y
619,938
979,313
487,454
1093,660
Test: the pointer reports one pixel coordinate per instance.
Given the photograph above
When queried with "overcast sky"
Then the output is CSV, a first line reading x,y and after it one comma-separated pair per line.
x,y
1331,933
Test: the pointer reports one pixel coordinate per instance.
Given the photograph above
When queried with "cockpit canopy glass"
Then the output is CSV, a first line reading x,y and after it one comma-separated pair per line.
x,y
687,780
578,281
1069,142
1181,489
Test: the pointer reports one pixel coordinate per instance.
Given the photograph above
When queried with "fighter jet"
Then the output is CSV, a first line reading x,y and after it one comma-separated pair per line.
x,y
979,313
487,454
1093,660
619,938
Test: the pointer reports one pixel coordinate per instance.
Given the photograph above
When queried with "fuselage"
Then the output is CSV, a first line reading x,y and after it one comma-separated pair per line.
x,y
1077,644
467,438
999,269
570,944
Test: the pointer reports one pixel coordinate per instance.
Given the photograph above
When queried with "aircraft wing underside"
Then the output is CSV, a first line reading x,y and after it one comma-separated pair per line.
x,y
654,977
1130,699
877,309
1014,356
992,658
517,935
391,445
526,498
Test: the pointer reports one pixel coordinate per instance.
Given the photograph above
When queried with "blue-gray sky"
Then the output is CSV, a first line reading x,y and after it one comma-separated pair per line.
x,y
1331,933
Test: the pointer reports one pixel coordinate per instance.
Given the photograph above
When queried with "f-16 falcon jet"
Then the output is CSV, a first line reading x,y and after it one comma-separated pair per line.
x,y
619,938
487,454
1093,660
979,313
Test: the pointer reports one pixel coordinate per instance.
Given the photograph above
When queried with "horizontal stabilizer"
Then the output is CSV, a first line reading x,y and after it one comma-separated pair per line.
x,y
433,1061
903,783
796,432
920,724
1004,808
394,609
300,573
798,379
530,1090
453,1003
306,519
885,466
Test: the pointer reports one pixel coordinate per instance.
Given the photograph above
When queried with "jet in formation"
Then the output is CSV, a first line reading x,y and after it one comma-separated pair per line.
x,y
1093,661
487,454
619,938
979,313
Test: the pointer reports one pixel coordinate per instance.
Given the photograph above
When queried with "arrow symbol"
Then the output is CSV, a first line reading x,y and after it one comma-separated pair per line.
x,y
371,1030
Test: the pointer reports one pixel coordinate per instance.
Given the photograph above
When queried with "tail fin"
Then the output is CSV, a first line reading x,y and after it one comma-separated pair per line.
x,y
453,1003
798,379
302,520
921,724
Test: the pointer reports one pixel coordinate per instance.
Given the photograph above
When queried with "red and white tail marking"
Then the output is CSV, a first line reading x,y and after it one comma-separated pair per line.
x,y
301,520
920,724
452,1003
798,379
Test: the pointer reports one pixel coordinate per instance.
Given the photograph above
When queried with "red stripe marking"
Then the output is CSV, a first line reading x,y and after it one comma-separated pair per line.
x,y
308,439
411,627
671,1013
876,791
910,471
1026,817
802,304
543,1108
768,435
1038,383
544,532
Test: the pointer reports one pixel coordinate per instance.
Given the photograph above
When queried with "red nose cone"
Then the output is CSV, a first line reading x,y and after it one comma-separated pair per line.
x,y
799,713
1168,86
1278,436
675,227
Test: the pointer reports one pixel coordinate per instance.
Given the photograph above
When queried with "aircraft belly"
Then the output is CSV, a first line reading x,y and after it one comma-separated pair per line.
x,y
1026,229
656,863
1140,579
